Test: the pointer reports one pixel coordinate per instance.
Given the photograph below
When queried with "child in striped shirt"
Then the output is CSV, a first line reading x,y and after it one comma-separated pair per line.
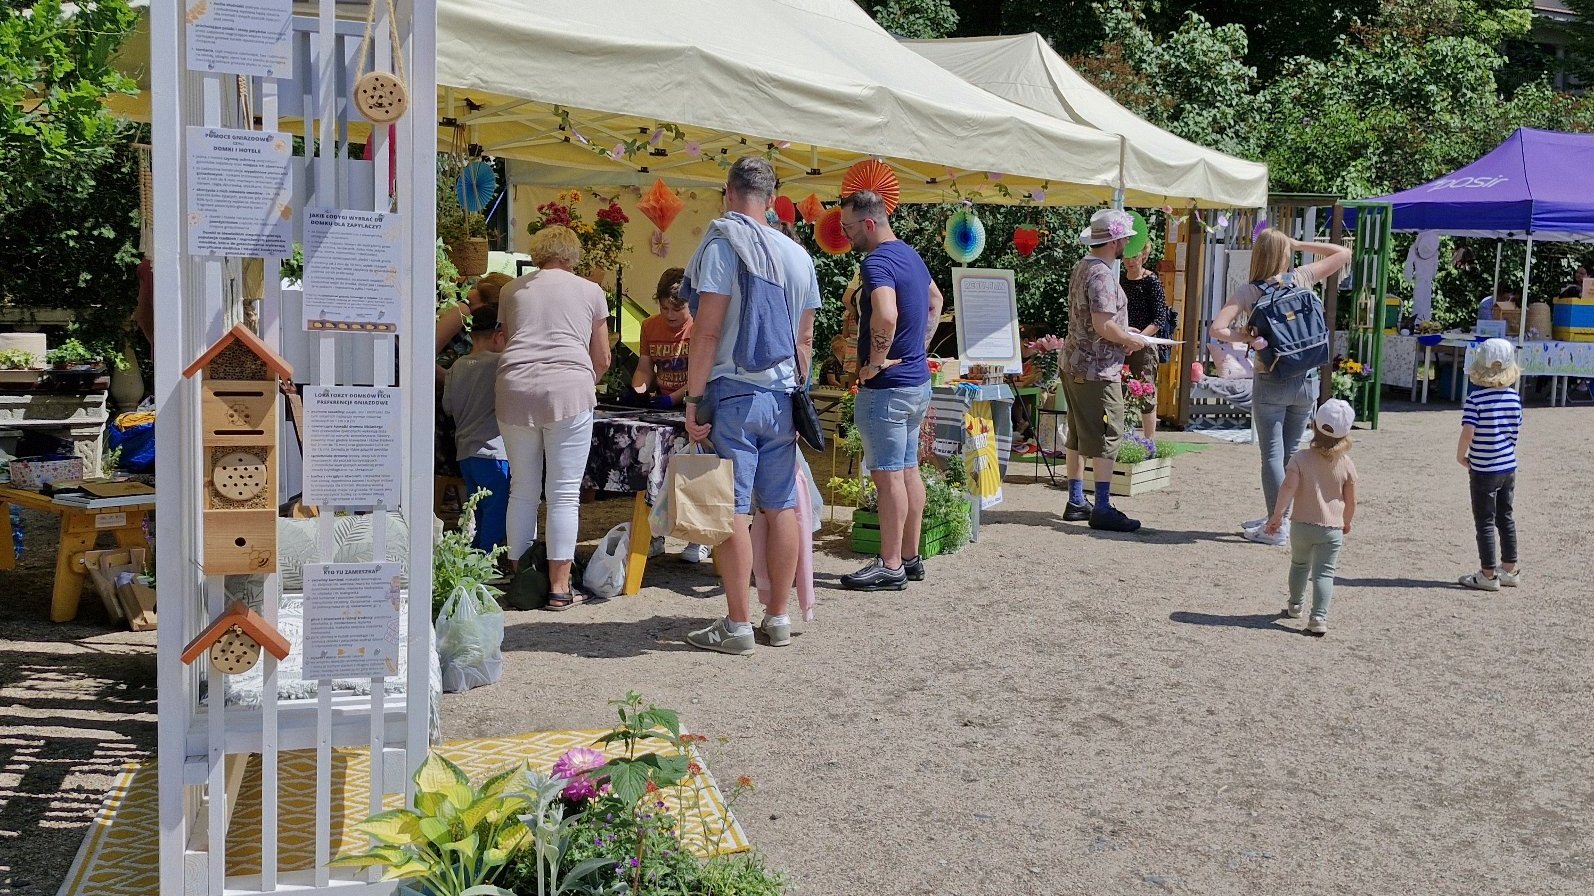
x,y
1491,418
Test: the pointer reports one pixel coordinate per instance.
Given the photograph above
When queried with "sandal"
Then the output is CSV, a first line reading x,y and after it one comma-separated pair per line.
x,y
560,602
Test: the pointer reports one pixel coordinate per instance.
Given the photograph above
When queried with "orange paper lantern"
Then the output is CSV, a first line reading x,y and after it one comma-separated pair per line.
x,y
811,208
876,177
660,205
785,210
829,235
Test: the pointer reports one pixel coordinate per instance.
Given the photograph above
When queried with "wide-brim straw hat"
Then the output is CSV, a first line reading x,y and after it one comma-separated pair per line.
x,y
1107,225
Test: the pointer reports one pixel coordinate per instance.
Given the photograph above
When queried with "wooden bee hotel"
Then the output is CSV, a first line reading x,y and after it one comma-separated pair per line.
x,y
238,420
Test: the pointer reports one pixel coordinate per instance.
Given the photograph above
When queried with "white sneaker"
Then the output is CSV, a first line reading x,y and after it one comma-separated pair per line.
x,y
1509,579
695,553
1294,610
1317,626
656,546
1261,537
1253,524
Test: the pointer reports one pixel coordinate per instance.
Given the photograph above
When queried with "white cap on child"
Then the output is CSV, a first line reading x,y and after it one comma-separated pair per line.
x,y
1493,355
1334,417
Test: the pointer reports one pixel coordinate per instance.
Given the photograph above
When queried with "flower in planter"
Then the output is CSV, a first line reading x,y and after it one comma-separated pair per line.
x,y
575,766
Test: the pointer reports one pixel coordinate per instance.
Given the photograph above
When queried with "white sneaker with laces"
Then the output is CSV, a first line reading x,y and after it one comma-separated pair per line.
x,y
1257,523
1260,536
695,553
1509,579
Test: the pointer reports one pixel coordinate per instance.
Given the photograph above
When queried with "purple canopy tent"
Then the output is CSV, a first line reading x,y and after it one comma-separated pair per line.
x,y
1536,186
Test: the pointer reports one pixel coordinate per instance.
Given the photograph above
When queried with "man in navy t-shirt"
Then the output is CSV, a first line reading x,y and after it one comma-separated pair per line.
x,y
899,307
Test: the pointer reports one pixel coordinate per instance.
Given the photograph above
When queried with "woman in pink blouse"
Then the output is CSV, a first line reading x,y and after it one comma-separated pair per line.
x,y
557,349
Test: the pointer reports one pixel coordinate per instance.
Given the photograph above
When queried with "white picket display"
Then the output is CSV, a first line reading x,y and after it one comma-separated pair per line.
x,y
202,742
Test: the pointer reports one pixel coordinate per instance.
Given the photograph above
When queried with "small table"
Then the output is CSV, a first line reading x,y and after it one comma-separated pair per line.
x,y
630,455
80,529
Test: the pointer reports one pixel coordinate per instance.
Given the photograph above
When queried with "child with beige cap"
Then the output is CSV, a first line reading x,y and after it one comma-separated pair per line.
x,y
1321,484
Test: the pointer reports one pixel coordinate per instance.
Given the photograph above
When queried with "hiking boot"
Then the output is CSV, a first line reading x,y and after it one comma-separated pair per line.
x,y
719,639
1260,536
1111,519
778,635
1509,579
1077,513
875,577
1317,626
1480,582
914,567
695,553
1294,610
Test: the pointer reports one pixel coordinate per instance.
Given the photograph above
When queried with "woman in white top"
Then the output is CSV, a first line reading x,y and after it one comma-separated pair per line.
x,y
1280,405
557,348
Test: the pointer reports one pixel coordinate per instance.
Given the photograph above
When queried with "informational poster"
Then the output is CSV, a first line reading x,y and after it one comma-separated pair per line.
x,y
240,37
352,454
240,193
351,620
351,271
986,301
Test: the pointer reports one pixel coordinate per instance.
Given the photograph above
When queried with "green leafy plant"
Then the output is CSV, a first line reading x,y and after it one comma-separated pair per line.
x,y
292,267
456,840
853,490
18,359
72,352
456,564
451,288
109,461
946,505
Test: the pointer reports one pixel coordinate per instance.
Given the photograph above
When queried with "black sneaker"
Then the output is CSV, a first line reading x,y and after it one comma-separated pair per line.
x,y
875,577
1111,519
914,567
1078,513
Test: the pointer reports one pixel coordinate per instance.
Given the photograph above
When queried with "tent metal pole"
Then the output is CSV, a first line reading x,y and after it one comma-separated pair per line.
x,y
1499,245
1527,269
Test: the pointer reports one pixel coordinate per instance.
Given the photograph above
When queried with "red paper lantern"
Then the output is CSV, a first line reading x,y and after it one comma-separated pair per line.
x,y
785,210
1025,239
829,235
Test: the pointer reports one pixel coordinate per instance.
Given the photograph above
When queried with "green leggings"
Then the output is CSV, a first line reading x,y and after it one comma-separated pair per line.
x,y
1314,555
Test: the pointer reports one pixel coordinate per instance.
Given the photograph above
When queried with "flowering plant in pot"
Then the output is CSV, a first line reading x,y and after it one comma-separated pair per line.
x,y
602,242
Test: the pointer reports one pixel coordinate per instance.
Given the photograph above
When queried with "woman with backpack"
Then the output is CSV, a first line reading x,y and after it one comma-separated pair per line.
x,y
1282,400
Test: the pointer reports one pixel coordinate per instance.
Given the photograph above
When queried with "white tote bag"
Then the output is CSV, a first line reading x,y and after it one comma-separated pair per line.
x,y
605,575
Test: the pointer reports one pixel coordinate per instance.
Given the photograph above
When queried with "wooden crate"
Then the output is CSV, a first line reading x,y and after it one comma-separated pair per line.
x,y
866,535
1129,480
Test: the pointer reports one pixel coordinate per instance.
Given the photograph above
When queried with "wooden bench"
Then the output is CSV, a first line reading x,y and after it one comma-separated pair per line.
x,y
80,529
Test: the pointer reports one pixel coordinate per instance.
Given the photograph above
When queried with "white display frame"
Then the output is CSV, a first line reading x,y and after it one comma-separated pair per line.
x,y
1004,305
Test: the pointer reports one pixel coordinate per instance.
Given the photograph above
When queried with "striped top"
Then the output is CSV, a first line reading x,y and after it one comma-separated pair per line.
x,y
1496,418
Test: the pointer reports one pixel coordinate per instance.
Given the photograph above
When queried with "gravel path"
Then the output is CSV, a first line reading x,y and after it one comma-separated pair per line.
x,y
1053,711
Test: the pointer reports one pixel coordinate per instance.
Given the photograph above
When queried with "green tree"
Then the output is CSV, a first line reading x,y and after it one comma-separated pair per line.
x,y
916,19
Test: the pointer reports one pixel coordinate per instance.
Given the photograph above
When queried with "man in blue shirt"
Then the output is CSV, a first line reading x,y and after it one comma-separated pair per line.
x,y
899,307
752,340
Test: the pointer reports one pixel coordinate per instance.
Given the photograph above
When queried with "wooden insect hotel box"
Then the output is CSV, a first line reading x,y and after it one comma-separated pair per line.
x,y
235,641
238,422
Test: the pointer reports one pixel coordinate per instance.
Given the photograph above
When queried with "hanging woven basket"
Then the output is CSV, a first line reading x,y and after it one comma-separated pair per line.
x,y
470,256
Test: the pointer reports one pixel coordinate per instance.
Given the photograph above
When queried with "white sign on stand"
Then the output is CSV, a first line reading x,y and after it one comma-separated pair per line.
x,y
352,454
351,271
241,37
351,620
986,302
240,193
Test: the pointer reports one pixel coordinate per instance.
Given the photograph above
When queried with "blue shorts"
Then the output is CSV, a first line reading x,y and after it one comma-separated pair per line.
x,y
889,420
753,429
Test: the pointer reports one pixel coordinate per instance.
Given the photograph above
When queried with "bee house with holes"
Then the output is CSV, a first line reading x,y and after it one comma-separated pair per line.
x,y
238,422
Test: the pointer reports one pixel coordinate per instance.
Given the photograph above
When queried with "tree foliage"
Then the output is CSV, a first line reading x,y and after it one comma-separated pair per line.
x,y
916,19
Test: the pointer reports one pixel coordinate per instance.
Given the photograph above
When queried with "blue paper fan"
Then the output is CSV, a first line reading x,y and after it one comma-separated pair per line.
x,y
965,236
476,186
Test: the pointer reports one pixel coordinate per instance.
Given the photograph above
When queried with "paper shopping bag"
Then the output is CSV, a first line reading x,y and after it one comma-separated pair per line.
x,y
702,498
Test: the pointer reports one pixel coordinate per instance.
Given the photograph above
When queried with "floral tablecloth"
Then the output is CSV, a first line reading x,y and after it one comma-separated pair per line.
x,y
1550,358
630,455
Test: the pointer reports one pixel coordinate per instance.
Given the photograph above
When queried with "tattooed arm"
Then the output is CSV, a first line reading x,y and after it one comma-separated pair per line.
x,y
882,331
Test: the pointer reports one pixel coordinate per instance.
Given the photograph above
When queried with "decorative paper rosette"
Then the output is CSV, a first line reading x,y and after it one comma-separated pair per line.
x,y
660,205
475,186
785,210
811,208
876,177
1142,236
659,244
829,235
965,236
1025,239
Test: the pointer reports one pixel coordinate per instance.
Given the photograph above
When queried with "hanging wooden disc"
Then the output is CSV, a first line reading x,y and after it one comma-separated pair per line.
x,y
234,653
381,97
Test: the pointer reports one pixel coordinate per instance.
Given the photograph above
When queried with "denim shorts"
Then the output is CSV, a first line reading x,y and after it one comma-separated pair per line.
x,y
888,420
753,429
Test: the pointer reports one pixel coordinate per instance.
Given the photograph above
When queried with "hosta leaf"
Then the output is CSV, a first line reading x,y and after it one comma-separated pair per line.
x,y
395,827
437,773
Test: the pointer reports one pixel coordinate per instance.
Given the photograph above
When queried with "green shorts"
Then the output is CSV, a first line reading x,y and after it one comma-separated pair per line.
x,y
1095,416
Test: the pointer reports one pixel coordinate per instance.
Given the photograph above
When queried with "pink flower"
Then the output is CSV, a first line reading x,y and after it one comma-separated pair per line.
x,y
578,761
694,148
657,135
579,790
1119,228
1037,195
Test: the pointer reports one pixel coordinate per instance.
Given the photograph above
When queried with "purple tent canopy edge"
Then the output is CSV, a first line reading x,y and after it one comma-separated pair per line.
x,y
1536,183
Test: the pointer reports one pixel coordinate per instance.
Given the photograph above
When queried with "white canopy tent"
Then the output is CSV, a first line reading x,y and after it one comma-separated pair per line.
x,y
1158,167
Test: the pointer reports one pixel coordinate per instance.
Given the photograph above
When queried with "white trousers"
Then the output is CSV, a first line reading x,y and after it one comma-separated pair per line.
x,y
548,459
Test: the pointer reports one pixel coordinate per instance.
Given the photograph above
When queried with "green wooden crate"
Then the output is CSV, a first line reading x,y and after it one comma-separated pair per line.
x,y
866,535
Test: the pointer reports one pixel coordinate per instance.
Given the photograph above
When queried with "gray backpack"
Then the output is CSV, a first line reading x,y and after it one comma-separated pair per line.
x,y
1290,317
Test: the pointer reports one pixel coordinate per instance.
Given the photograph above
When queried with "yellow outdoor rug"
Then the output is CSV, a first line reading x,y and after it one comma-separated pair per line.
x,y
119,856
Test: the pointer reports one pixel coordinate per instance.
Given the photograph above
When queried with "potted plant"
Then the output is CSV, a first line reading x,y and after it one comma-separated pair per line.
x,y
19,366
464,233
1142,466
946,521
71,355
456,565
